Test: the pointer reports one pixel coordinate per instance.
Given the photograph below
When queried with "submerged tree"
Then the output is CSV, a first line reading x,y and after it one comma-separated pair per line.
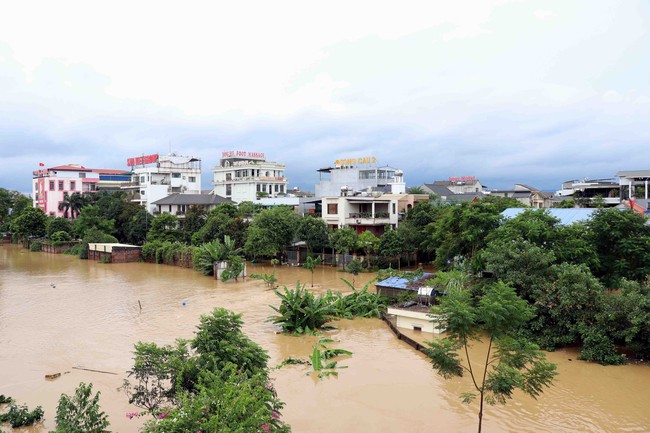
x,y
510,363
311,264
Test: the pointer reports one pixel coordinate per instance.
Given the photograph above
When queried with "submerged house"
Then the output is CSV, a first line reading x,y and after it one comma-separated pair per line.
x,y
412,315
394,287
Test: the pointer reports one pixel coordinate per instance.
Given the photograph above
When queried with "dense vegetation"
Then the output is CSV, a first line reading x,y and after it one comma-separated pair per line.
x,y
587,283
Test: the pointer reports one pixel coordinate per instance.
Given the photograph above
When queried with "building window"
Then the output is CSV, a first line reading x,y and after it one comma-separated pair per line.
x,y
281,188
141,179
82,175
141,192
51,185
60,185
192,179
259,187
72,185
393,208
228,189
176,175
170,208
333,208
277,187
228,176
35,186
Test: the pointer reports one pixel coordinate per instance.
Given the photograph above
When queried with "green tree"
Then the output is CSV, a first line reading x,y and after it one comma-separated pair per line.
x,y
137,227
343,240
30,222
566,306
271,231
194,219
151,383
622,242
311,264
81,412
369,243
462,230
225,401
391,246
354,267
314,232
89,218
520,263
164,227
220,341
53,225
510,362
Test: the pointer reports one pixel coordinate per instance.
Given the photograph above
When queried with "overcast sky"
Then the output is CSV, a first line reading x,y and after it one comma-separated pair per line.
x,y
533,92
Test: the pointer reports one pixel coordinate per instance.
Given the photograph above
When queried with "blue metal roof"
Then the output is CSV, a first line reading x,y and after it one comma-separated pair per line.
x,y
566,216
401,282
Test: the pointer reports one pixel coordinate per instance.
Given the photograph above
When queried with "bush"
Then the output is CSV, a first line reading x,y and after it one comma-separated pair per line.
x,y
301,311
19,416
36,246
60,237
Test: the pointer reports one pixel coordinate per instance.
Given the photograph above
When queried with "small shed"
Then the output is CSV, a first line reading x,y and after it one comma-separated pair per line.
x,y
114,253
419,285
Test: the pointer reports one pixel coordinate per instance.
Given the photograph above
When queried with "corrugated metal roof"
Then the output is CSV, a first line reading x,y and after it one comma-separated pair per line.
x,y
566,216
634,173
401,282
191,199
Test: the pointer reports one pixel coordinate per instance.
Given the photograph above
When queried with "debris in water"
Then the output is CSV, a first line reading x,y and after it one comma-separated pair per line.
x,y
52,376
94,371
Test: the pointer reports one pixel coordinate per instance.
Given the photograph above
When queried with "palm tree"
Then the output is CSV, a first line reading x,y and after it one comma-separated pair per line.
x,y
64,205
77,202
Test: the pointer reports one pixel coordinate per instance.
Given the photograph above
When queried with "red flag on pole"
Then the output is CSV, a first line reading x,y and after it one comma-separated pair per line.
x,y
40,164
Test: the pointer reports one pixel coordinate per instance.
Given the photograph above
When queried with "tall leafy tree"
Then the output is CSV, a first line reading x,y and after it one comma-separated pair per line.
x,y
510,361
369,243
271,232
164,227
343,240
391,246
622,241
90,217
313,231
30,222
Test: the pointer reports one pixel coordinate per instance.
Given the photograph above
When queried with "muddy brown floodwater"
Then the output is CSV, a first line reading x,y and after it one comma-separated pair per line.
x,y
58,312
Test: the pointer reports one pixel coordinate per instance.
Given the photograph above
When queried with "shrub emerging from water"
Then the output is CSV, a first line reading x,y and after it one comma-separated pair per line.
x,y
19,416
301,311
35,246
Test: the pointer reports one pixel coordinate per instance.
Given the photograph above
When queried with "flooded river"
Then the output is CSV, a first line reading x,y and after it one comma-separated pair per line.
x,y
58,312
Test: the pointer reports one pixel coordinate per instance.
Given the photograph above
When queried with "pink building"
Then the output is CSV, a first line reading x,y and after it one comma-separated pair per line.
x,y
51,184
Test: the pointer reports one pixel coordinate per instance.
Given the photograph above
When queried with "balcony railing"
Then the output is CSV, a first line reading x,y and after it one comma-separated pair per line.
x,y
369,215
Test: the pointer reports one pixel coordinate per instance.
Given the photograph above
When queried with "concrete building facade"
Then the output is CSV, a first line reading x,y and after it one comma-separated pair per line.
x,y
359,175
372,212
51,185
154,177
246,176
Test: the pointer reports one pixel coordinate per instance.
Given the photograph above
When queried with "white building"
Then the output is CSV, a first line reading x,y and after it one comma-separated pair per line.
x,y
368,211
245,176
154,177
359,175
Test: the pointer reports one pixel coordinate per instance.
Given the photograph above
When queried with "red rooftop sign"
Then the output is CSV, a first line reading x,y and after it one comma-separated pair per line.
x,y
142,160
462,179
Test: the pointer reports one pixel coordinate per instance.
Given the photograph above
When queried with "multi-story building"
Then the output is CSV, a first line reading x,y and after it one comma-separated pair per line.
x,y
246,176
51,185
589,189
368,211
154,177
359,175
634,183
